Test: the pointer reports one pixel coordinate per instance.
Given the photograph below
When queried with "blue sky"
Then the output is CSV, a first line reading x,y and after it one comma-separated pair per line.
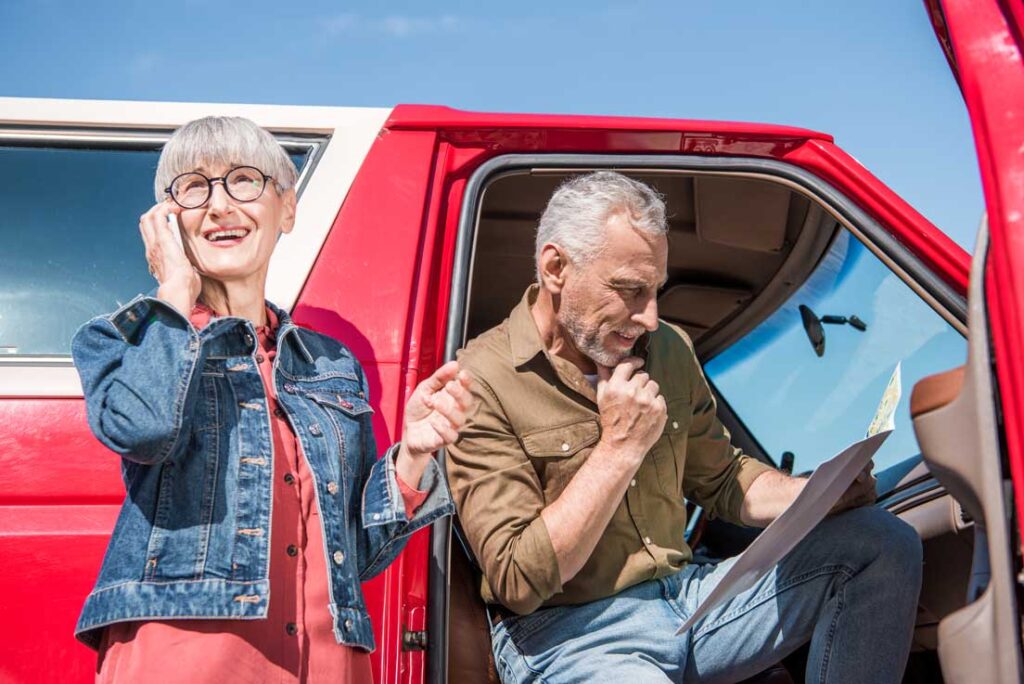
x,y
870,72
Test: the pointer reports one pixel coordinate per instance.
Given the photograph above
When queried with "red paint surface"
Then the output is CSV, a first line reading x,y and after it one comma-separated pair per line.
x,y
986,38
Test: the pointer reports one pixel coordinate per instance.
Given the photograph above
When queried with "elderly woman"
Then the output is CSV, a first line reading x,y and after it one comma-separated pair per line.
x,y
256,503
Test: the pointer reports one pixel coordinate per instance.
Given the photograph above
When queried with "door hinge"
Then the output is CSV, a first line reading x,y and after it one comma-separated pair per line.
x,y
414,640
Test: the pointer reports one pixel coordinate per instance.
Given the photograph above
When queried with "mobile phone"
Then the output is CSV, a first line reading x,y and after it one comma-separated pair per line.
x,y
172,221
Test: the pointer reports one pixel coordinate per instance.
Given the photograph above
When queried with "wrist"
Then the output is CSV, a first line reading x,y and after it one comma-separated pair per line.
x,y
409,466
176,293
618,455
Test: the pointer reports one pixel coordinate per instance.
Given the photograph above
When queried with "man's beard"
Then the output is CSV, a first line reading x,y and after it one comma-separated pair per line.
x,y
588,338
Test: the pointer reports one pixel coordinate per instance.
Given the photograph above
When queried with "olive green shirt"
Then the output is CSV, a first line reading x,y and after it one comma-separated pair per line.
x,y
536,424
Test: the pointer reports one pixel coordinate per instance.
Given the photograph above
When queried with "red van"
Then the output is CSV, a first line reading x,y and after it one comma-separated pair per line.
x,y
415,233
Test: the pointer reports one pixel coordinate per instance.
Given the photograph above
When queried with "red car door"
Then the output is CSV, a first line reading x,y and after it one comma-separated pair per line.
x,y
983,42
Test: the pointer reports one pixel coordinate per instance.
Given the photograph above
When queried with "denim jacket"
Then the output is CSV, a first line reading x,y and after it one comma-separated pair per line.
x,y
188,414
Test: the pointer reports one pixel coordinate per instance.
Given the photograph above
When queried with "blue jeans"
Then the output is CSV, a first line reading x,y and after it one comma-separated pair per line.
x,y
850,588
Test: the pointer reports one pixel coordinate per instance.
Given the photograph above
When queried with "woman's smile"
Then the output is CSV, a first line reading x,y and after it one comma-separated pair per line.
x,y
226,236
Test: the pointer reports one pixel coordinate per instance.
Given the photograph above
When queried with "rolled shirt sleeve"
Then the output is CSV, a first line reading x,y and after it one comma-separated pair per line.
x,y
500,499
717,474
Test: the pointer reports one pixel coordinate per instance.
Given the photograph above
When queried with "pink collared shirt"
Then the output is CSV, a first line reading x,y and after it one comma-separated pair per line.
x,y
295,643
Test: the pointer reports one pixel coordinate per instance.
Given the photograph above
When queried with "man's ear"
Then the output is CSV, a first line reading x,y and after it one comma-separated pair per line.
x,y
552,265
288,203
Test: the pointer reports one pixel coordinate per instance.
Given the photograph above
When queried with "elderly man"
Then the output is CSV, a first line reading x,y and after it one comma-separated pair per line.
x,y
594,422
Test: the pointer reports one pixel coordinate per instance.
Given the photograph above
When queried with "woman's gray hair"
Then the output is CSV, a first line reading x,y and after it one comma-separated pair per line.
x,y
222,140
578,211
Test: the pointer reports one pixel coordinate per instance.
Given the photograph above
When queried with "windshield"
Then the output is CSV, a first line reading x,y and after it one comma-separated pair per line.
x,y
791,399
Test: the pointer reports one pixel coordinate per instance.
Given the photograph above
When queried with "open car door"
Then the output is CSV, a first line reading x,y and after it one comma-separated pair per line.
x,y
970,422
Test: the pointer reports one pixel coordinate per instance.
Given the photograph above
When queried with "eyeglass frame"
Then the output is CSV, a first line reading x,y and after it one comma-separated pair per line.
x,y
222,180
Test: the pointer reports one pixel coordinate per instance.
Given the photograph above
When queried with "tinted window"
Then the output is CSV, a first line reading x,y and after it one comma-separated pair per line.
x,y
793,400
71,244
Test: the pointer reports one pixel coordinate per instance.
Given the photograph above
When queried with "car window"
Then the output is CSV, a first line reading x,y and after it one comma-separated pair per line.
x,y
71,245
793,400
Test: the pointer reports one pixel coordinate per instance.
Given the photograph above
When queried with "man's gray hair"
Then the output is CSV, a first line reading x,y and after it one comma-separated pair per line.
x,y
578,211
222,140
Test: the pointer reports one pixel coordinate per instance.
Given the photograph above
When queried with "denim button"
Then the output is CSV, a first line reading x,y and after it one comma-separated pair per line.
x,y
249,339
376,516
338,557
293,550
314,430
291,629
279,412
289,478
348,624
332,487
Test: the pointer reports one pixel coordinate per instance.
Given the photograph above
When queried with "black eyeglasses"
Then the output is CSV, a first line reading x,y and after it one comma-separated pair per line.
x,y
242,183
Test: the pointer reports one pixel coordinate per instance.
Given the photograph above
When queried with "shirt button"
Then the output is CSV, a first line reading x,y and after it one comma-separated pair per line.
x,y
565,446
279,412
647,540
289,478
314,430
259,358
291,629
338,557
675,425
348,624
332,487
632,483
293,550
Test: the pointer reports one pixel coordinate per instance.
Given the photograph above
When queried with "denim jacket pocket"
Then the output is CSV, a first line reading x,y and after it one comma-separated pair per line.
x,y
344,415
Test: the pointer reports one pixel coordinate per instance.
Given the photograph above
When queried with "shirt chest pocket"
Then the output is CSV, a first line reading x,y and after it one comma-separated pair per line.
x,y
669,452
558,452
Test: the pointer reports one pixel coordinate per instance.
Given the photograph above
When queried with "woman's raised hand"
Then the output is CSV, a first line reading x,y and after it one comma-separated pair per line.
x,y
437,410
179,281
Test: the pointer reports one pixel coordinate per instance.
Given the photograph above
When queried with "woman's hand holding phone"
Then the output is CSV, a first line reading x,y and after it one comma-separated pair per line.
x,y
179,281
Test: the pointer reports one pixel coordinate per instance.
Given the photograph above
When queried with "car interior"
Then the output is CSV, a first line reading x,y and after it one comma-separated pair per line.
x,y
740,244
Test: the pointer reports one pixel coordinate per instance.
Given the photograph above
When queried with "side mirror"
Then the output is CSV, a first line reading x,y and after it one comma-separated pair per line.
x,y
816,334
812,326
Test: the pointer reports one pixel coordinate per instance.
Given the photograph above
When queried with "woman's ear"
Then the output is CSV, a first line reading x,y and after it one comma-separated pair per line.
x,y
288,204
552,266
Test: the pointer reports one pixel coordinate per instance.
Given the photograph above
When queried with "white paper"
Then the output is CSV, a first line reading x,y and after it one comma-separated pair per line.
x,y
824,488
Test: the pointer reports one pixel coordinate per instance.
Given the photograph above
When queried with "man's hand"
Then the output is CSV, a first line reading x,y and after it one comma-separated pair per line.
x,y
435,413
861,492
633,412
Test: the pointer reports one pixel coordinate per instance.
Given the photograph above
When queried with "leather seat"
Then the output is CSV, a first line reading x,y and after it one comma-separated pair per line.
x,y
470,659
